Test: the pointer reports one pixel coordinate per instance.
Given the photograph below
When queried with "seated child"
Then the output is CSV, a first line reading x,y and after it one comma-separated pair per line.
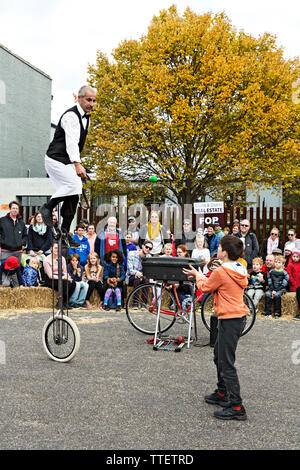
x,y
278,280
293,270
167,250
31,272
113,278
10,273
257,281
288,250
93,274
76,272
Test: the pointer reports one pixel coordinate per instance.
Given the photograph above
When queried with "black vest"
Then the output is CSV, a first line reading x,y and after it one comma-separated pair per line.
x,y
57,148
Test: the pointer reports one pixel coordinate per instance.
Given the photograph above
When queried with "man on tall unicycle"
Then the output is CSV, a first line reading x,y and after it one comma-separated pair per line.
x,y
63,163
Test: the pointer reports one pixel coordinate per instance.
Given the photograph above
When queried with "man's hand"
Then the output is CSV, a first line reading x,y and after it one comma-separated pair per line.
x,y
80,170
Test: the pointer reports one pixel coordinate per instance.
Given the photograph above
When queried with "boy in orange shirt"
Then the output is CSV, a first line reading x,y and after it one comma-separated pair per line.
x,y
227,283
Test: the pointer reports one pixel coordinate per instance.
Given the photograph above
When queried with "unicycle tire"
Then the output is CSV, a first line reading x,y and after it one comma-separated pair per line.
x,y
61,338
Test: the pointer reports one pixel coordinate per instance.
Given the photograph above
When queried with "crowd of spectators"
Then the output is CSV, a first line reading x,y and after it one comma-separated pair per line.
x,y
110,260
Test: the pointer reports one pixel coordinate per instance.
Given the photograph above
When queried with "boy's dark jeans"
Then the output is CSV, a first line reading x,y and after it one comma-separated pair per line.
x,y
276,299
229,332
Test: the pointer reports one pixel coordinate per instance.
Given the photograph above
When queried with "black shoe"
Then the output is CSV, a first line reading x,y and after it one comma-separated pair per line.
x,y
65,306
231,413
297,317
217,399
277,315
118,308
46,216
105,307
69,241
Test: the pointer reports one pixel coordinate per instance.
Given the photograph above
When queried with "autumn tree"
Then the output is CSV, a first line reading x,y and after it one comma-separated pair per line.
x,y
201,105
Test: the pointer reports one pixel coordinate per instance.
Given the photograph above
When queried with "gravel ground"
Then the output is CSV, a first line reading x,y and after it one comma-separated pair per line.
x,y
119,394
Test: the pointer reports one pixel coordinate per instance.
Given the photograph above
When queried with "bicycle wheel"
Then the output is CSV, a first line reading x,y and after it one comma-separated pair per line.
x,y
142,305
207,309
61,338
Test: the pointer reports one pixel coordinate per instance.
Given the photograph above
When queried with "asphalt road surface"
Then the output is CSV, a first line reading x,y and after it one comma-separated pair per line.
x,y
119,394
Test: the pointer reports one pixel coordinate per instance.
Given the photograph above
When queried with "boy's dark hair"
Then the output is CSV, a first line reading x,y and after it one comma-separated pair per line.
x,y
75,255
233,245
80,226
118,253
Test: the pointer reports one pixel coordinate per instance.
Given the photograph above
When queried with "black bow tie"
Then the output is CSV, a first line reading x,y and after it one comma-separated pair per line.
x,y
86,116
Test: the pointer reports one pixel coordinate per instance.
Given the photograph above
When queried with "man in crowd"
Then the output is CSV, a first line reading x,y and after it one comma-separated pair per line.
x,y
13,233
110,238
212,240
188,236
269,264
250,242
134,274
133,229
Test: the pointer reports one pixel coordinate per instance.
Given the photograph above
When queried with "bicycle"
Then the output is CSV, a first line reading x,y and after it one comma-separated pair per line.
x,y
60,336
142,306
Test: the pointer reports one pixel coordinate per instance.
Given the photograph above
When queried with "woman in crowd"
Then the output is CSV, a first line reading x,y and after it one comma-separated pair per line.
x,y
270,244
155,232
50,264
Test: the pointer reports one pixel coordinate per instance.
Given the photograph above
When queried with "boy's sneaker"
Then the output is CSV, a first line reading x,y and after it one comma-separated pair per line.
x,y
266,314
119,307
217,398
231,413
277,315
297,317
105,307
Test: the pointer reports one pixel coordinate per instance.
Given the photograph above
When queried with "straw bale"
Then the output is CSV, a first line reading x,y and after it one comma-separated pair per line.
x,y
26,297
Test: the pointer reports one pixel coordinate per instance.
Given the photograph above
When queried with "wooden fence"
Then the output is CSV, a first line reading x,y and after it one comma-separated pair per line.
x,y
261,219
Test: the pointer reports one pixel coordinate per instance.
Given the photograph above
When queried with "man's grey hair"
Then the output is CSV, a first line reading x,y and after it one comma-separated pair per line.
x,y
83,89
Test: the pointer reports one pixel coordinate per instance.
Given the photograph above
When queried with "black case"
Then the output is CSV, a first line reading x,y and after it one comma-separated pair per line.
x,y
168,268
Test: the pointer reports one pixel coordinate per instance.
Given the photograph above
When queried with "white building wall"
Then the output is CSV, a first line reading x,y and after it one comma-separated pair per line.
x,y
13,188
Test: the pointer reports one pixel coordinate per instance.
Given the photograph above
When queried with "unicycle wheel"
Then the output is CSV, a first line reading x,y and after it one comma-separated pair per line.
x,y
61,338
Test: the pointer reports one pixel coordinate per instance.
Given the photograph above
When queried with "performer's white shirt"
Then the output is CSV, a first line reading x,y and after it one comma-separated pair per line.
x,y
70,124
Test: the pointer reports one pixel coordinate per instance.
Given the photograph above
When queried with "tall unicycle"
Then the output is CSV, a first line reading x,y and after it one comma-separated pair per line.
x,y
61,337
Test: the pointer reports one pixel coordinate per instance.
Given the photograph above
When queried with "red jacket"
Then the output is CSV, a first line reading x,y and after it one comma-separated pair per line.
x,y
293,270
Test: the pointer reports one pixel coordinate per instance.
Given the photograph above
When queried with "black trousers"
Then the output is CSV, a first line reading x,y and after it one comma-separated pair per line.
x,y
68,209
68,287
95,285
136,281
229,332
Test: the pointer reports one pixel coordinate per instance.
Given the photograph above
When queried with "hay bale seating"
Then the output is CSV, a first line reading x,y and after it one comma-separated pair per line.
x,y
289,305
35,297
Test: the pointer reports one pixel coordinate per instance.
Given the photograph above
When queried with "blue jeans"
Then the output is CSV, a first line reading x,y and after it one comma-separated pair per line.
x,y
79,294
